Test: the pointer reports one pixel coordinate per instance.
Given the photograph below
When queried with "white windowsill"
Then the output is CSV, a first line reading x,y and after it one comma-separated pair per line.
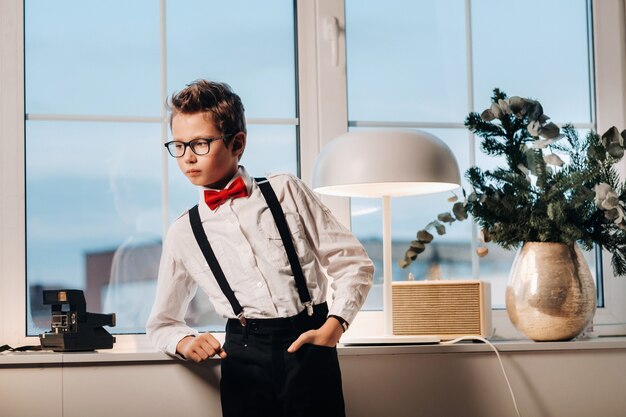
x,y
120,356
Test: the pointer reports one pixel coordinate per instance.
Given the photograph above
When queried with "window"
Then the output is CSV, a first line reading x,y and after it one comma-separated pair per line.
x,y
426,65
95,83
99,99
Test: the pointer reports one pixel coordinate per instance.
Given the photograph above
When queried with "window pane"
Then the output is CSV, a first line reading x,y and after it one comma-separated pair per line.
x,y
271,149
544,56
406,60
92,57
93,217
448,256
249,45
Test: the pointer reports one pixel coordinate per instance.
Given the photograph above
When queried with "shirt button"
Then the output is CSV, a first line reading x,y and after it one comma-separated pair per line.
x,y
259,284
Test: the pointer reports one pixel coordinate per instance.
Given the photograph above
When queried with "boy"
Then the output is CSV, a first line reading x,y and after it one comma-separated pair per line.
x,y
261,250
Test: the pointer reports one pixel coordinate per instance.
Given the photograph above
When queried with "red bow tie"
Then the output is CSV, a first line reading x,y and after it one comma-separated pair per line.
x,y
214,199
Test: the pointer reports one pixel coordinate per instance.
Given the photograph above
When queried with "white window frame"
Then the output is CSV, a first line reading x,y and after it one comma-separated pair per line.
x,y
12,207
609,22
322,116
609,36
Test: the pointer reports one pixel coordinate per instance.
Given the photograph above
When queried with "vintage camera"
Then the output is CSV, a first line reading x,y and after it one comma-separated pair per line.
x,y
75,329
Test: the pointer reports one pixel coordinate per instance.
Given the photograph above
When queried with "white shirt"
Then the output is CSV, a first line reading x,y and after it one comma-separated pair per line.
x,y
247,244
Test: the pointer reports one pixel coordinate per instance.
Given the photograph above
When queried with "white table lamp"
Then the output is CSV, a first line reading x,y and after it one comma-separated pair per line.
x,y
385,163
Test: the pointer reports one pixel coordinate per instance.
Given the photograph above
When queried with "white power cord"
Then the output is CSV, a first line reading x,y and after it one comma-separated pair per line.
x,y
458,339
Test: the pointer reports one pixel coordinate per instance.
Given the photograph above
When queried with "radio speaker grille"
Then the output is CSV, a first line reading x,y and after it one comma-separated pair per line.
x,y
447,309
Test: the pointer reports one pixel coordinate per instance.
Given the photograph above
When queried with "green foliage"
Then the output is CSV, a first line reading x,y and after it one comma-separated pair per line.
x,y
555,187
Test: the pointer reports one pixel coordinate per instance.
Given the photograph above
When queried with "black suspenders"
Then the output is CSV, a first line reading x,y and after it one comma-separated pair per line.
x,y
209,255
285,234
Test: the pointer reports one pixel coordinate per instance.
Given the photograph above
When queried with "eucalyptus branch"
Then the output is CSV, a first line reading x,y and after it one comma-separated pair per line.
x,y
556,187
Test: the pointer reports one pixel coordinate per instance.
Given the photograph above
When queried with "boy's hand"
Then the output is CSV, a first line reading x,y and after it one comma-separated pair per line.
x,y
327,335
200,348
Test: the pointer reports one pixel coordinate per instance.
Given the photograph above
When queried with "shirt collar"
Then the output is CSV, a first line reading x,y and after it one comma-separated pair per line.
x,y
241,172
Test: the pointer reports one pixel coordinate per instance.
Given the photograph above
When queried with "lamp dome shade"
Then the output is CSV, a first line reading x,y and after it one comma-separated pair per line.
x,y
377,163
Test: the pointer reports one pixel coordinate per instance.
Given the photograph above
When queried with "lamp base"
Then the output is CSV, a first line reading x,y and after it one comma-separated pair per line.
x,y
391,340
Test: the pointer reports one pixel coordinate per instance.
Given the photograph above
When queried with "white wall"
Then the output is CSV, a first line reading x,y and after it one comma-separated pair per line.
x,y
574,379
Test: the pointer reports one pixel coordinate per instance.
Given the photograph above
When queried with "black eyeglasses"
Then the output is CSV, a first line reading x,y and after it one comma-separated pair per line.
x,y
200,146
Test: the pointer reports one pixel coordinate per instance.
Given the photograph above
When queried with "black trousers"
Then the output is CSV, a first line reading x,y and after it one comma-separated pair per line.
x,y
261,379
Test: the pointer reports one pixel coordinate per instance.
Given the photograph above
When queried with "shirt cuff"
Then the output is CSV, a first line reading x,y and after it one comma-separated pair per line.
x,y
344,308
171,347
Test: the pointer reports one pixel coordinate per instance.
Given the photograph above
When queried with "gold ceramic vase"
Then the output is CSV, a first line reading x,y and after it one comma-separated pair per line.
x,y
551,294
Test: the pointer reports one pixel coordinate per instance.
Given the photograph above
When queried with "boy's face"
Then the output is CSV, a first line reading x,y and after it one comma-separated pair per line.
x,y
216,168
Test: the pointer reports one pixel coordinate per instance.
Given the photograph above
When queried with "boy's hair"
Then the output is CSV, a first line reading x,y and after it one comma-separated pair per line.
x,y
214,98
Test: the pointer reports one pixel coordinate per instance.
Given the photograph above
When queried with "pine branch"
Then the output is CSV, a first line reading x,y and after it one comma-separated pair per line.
x,y
537,196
